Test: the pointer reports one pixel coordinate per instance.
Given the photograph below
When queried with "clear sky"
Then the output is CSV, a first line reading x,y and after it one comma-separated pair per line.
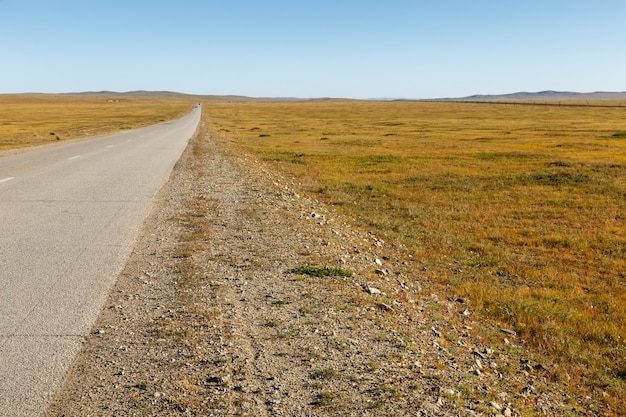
x,y
313,48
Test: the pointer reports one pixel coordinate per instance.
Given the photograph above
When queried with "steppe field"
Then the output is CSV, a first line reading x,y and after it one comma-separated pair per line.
x,y
38,119
519,209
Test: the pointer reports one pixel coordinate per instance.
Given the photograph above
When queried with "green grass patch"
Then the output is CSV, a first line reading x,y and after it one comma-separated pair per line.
x,y
320,272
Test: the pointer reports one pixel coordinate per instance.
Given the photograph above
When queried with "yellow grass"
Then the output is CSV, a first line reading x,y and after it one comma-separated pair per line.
x,y
519,208
36,119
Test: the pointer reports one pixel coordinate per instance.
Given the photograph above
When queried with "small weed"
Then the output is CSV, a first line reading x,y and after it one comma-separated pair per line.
x,y
381,337
388,391
561,164
343,345
372,366
142,386
288,334
324,399
409,347
183,334
323,374
321,271
465,390
556,178
311,353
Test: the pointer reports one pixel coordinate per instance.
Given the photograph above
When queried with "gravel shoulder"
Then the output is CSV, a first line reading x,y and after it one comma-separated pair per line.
x,y
210,317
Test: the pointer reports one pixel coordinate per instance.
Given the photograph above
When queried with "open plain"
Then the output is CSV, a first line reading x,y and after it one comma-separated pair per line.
x,y
518,208
369,258
40,119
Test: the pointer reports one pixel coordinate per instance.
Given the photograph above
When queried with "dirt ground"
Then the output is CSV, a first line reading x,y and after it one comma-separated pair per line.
x,y
219,312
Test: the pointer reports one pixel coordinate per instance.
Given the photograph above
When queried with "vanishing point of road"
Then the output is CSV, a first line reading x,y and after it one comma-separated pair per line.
x,y
69,218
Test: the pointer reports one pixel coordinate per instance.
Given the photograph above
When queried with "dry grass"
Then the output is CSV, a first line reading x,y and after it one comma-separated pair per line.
x,y
519,209
36,119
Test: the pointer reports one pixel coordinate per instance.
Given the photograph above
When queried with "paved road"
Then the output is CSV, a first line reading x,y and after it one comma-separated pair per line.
x,y
69,217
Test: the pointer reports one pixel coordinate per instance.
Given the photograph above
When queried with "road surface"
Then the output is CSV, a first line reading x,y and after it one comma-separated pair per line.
x,y
69,217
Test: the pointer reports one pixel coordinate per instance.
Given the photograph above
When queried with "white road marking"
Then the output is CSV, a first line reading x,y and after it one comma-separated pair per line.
x,y
74,157
110,146
7,179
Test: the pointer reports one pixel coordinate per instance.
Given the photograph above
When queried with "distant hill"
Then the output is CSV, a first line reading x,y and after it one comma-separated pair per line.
x,y
548,95
522,97
143,94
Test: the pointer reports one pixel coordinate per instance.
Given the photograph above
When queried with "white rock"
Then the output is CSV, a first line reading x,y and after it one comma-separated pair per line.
x,y
496,406
509,332
435,332
385,307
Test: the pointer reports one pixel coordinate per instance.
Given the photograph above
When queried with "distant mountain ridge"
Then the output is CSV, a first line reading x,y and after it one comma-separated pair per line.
x,y
523,96
546,95
160,94
145,93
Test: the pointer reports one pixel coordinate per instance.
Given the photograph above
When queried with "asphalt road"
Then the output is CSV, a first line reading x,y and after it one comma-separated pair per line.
x,y
69,217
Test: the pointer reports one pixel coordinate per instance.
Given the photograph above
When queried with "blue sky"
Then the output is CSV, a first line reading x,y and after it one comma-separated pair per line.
x,y
301,48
